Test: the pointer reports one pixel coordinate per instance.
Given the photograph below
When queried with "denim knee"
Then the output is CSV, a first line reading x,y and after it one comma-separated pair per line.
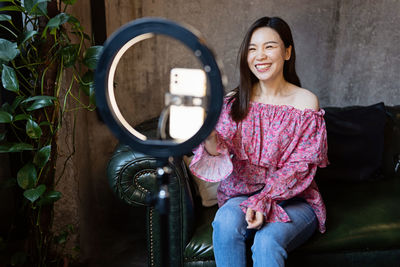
x,y
268,251
229,223
228,227
270,245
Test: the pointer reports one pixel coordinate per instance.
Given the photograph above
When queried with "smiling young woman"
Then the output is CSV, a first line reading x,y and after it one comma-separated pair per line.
x,y
267,55
266,59
265,150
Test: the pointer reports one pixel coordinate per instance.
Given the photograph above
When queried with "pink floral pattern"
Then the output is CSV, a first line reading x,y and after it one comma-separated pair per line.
x,y
272,155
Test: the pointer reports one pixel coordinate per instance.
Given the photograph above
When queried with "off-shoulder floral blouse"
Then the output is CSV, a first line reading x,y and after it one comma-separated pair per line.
x,y
272,155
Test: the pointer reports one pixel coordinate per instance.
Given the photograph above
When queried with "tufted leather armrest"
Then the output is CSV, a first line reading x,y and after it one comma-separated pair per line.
x,y
132,176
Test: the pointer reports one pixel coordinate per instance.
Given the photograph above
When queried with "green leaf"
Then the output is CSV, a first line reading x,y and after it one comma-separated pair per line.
x,y
36,7
16,102
49,198
92,55
27,35
18,147
40,103
44,123
87,82
42,156
7,108
78,33
69,2
52,32
21,117
76,25
27,176
15,147
8,50
61,238
33,130
5,147
87,86
39,97
34,193
10,8
70,54
3,135
5,117
5,17
9,79
57,21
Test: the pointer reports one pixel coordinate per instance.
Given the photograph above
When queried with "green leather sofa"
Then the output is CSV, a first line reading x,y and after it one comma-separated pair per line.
x,y
363,224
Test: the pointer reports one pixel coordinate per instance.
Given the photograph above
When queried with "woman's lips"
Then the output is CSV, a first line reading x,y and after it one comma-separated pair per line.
x,y
263,67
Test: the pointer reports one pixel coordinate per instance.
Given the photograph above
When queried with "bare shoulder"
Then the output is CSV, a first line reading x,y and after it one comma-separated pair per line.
x,y
305,99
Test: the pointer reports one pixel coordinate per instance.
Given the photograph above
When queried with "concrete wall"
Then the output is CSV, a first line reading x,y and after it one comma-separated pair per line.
x,y
347,53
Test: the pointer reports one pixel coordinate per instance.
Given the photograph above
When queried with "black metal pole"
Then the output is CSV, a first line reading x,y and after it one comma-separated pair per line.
x,y
161,149
163,206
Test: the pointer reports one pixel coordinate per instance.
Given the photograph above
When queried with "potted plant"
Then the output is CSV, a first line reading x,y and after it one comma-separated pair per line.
x,y
35,95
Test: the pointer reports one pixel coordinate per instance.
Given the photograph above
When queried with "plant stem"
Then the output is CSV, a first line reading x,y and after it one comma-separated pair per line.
x,y
71,154
10,31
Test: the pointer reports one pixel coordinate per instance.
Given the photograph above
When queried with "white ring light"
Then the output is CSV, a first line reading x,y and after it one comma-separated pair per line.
x,y
114,49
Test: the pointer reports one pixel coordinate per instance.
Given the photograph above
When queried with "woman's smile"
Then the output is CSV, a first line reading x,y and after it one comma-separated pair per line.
x,y
263,67
266,54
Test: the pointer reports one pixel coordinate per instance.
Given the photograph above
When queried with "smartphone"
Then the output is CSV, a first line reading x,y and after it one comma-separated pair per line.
x,y
185,121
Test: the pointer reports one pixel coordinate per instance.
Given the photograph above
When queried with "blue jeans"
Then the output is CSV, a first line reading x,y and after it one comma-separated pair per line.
x,y
271,243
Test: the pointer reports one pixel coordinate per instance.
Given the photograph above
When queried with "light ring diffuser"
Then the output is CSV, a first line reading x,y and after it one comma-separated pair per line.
x,y
114,48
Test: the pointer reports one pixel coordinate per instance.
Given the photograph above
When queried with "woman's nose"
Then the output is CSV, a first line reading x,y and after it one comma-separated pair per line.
x,y
261,54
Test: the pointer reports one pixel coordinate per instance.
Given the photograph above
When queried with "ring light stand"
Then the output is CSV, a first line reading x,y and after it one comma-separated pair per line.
x,y
114,48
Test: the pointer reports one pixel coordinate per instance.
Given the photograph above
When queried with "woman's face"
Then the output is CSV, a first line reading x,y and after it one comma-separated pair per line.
x,y
267,54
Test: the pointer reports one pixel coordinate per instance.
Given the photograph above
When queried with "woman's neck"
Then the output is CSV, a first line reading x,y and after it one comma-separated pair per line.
x,y
271,89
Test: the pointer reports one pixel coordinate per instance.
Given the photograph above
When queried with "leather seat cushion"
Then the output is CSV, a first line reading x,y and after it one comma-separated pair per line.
x,y
200,246
360,216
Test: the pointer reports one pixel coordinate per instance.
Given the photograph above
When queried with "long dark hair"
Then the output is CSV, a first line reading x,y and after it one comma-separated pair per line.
x,y
242,94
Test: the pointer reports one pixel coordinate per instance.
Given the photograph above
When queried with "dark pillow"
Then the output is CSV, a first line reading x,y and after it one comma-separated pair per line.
x,y
355,143
391,156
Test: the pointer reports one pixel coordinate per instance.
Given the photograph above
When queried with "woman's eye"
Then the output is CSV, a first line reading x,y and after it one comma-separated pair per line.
x,y
269,47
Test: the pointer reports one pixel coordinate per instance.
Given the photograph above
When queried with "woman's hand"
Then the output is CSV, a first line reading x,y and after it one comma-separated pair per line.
x,y
254,219
210,144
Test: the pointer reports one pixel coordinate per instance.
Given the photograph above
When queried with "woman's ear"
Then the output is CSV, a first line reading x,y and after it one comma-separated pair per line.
x,y
288,52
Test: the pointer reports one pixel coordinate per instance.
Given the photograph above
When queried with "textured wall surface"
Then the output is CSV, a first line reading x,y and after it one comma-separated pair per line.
x,y
348,53
71,170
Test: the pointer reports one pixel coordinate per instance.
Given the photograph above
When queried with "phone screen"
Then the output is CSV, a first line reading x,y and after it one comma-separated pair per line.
x,y
186,121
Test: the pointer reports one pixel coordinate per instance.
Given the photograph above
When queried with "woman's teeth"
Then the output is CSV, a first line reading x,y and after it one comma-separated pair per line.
x,y
262,66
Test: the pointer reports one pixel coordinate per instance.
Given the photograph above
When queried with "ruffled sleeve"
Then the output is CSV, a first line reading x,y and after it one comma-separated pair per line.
x,y
295,171
216,168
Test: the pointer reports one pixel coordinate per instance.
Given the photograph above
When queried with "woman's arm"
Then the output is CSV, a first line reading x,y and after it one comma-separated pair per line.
x,y
211,161
288,182
296,173
210,144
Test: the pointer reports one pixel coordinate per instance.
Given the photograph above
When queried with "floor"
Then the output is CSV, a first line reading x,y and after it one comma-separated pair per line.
x,y
121,240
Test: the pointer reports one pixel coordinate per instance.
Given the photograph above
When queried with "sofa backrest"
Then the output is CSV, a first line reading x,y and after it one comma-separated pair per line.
x,y
391,156
363,143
